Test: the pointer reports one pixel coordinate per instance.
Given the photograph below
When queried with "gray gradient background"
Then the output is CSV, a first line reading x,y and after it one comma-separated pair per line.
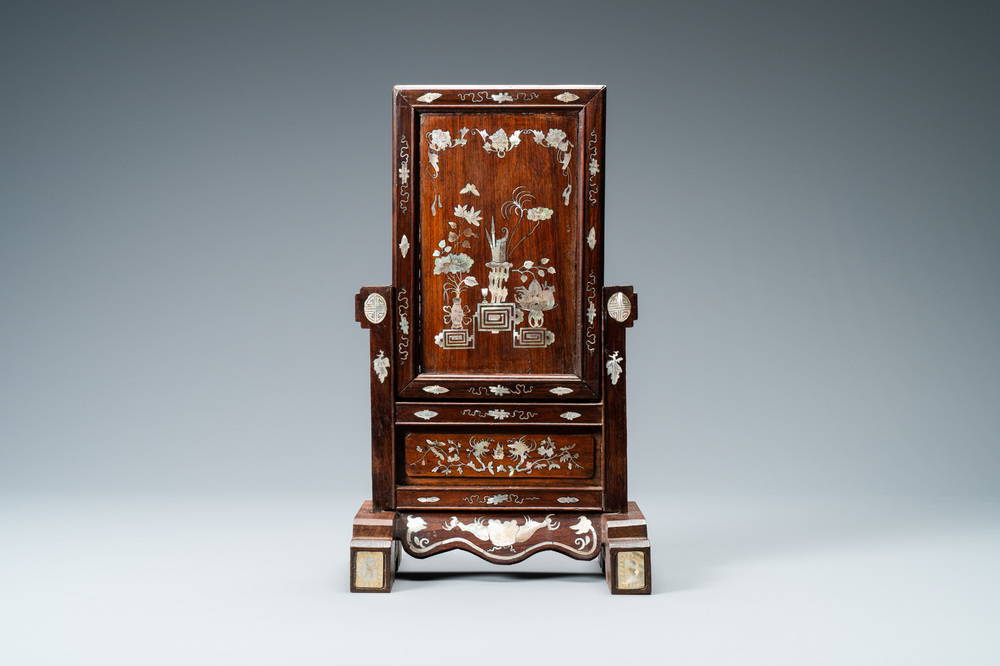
x,y
806,196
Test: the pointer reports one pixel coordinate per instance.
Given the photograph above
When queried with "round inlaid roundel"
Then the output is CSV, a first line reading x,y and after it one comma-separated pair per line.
x,y
619,307
375,308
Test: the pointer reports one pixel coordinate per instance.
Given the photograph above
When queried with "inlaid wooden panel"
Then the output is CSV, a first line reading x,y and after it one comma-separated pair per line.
x,y
500,239
503,387
502,456
499,539
508,498
518,413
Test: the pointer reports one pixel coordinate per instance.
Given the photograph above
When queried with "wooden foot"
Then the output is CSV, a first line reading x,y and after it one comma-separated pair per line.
x,y
626,552
374,553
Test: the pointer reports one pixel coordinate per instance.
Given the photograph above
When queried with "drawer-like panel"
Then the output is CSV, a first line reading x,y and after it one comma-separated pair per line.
x,y
509,455
414,413
428,498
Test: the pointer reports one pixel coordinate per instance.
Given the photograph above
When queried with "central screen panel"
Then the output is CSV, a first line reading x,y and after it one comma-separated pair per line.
x,y
498,224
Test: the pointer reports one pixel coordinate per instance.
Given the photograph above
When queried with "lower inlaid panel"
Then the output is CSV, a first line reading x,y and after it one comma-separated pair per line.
x,y
510,455
514,497
503,540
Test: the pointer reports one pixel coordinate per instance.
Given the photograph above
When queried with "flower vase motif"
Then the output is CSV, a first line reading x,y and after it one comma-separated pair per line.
x,y
454,261
536,300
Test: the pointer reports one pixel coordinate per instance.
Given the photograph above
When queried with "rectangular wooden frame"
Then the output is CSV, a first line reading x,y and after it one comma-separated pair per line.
x,y
409,102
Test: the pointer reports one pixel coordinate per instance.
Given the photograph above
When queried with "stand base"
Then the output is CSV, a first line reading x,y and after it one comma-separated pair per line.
x,y
618,539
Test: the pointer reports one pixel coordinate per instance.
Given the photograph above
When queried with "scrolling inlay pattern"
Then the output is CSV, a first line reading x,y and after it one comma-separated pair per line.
x,y
501,498
500,414
404,324
500,389
502,535
404,177
591,337
500,97
594,168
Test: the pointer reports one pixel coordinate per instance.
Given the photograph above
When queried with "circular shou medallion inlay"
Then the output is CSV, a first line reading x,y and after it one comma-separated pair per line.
x,y
619,307
375,308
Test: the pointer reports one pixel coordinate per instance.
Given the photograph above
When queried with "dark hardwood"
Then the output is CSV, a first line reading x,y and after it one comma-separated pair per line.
x,y
490,499
374,553
381,338
615,418
500,539
625,555
498,360
535,413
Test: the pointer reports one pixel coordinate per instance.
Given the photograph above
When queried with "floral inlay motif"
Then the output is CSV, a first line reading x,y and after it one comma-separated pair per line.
x,y
449,260
557,140
439,140
614,366
499,142
469,188
519,455
537,297
428,500
569,416
500,98
425,414
568,500
381,366
525,317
